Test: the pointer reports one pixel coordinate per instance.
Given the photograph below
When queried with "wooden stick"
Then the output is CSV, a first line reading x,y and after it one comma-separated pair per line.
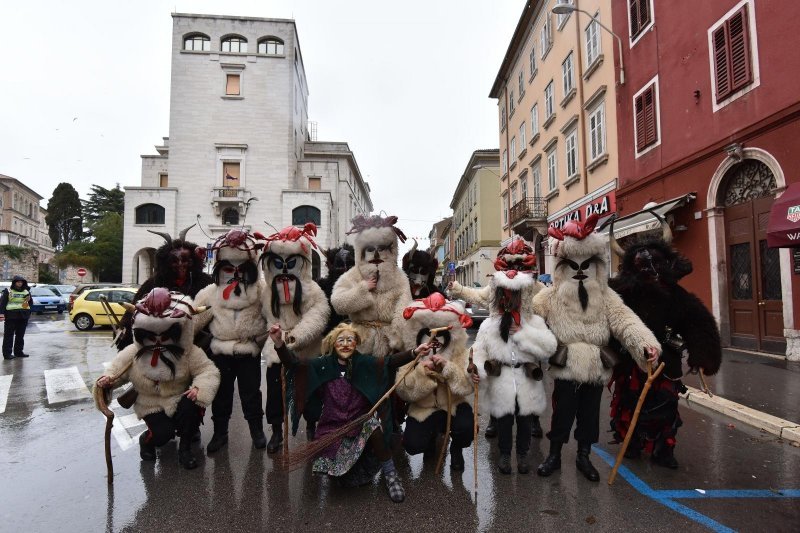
x,y
446,439
474,369
650,377
706,389
285,411
102,396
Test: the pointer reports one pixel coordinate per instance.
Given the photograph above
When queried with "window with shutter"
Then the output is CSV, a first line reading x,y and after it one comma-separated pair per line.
x,y
646,118
732,65
639,11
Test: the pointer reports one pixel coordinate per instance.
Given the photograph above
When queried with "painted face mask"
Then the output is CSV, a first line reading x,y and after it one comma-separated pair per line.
x,y
345,345
234,275
180,261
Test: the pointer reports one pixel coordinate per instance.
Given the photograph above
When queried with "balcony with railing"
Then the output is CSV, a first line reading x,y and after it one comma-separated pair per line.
x,y
533,210
223,197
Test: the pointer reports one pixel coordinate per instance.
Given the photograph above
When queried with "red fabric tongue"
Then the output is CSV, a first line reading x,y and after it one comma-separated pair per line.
x,y
156,355
511,274
226,293
287,296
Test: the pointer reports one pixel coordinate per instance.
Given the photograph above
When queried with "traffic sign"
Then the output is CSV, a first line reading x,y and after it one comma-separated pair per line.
x,y
451,267
81,272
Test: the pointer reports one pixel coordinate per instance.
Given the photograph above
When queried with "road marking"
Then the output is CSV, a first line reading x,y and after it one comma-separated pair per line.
x,y
5,385
64,385
126,428
668,497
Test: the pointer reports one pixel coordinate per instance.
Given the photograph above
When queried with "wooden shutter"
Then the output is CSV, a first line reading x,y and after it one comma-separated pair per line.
x,y
740,71
232,86
640,137
646,124
721,70
639,15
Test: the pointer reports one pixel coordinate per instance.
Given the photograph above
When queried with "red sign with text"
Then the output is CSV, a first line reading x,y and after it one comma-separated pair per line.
x,y
602,205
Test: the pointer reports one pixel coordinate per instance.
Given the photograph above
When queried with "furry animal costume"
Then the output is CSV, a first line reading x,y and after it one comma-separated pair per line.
x,y
238,331
338,260
178,267
420,267
425,390
295,301
509,363
648,284
376,314
584,315
162,365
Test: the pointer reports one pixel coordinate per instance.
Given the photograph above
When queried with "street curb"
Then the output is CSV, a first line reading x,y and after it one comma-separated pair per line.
x,y
786,430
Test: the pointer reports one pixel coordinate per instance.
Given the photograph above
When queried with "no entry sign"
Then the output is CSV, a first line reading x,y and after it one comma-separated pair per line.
x,y
81,272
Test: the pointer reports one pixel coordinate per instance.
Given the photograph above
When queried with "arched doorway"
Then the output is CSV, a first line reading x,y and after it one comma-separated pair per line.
x,y
754,291
143,264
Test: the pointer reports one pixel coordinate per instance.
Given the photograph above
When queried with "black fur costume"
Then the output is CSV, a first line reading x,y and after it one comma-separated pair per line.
x,y
338,260
648,284
420,267
164,276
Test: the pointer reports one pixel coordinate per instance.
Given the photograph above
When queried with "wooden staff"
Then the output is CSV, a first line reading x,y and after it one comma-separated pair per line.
x,y
472,369
102,397
704,384
446,439
650,377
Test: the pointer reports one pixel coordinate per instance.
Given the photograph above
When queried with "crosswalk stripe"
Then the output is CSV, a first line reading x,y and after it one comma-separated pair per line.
x,y
127,427
5,385
65,384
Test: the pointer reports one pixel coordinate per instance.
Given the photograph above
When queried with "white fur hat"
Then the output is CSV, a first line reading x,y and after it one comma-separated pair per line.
x,y
577,239
375,230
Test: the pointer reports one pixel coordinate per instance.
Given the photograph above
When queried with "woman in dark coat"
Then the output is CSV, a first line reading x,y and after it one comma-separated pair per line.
x,y
15,310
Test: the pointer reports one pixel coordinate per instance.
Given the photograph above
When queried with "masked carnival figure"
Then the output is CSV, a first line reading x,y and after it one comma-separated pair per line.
x,y
440,381
179,267
238,332
174,379
374,293
338,260
584,314
648,284
340,387
420,267
293,300
510,346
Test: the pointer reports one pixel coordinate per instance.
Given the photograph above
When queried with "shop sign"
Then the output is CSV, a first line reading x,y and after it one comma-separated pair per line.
x,y
603,206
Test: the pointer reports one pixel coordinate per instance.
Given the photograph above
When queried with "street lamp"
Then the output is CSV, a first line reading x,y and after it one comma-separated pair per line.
x,y
565,9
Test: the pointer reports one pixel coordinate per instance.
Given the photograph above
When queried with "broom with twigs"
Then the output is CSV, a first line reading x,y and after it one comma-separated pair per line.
x,y
300,455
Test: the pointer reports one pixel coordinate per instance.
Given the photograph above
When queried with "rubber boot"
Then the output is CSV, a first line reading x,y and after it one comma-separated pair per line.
x,y
583,463
553,460
276,440
456,459
185,455
220,436
257,433
147,451
491,429
505,464
523,467
536,428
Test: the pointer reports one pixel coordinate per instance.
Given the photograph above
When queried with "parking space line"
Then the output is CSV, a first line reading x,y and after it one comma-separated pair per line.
x,y
668,497
65,384
5,386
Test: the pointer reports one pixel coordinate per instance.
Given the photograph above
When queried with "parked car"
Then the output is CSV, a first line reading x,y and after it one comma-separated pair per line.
x,y
86,286
44,299
59,292
477,312
87,310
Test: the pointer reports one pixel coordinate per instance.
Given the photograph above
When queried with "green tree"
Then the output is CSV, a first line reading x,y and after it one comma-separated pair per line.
x,y
107,246
102,201
64,216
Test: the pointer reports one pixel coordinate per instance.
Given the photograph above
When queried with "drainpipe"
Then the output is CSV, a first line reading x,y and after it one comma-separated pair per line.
x,y
581,117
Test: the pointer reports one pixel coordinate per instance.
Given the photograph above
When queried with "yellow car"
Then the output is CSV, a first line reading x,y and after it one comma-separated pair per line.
x,y
87,310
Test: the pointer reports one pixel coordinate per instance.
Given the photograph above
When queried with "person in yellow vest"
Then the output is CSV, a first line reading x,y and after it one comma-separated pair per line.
x,y
15,310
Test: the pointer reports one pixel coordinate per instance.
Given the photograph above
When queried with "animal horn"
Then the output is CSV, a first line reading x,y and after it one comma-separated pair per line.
x,y
201,309
413,248
166,236
666,231
619,250
128,306
182,234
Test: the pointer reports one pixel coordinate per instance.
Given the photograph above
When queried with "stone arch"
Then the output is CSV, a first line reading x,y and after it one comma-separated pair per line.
x,y
143,264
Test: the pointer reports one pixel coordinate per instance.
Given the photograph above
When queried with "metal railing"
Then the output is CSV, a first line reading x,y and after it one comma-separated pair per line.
x,y
528,209
229,192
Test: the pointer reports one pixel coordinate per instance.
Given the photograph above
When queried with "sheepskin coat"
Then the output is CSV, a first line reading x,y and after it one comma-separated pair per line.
x,y
424,390
376,314
236,324
304,330
533,343
585,331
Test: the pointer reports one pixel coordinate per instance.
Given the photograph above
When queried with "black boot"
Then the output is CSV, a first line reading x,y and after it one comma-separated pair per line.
x,y
147,451
456,459
536,428
491,429
219,438
276,440
553,460
584,465
311,430
505,464
257,433
185,455
523,467
665,457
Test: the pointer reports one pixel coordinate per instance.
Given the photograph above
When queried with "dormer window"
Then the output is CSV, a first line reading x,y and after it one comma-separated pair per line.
x,y
235,44
197,42
270,46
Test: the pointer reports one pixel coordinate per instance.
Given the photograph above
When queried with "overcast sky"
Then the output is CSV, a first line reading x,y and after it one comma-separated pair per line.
x,y
85,89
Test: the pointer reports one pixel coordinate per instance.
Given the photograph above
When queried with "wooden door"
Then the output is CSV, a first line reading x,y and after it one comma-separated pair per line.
x,y
754,282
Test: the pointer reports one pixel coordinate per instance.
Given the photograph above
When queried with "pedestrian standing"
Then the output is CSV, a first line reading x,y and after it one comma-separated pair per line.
x,y
15,310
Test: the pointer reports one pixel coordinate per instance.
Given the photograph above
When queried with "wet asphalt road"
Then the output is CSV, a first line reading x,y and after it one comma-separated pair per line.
x,y
53,473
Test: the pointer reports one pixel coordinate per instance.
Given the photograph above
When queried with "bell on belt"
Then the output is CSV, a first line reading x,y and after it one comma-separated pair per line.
x,y
559,358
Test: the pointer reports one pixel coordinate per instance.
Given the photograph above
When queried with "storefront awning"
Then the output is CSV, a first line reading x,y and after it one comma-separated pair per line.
x,y
783,230
644,220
